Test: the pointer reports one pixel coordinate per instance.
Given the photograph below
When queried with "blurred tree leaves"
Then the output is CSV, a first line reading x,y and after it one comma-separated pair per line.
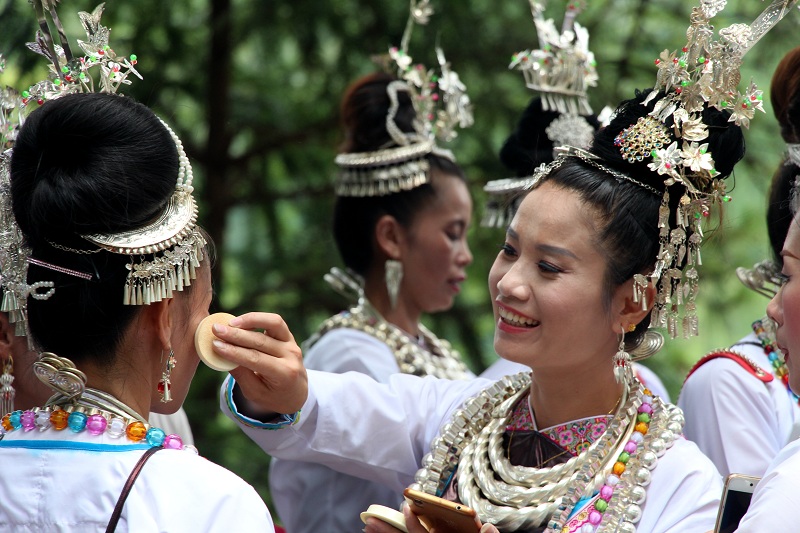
x,y
252,87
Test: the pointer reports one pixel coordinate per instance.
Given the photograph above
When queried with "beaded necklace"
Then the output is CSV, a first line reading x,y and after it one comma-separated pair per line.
x,y
611,474
766,335
95,412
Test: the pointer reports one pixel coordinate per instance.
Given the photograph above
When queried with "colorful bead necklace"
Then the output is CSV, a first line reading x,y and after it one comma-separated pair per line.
x,y
79,418
766,336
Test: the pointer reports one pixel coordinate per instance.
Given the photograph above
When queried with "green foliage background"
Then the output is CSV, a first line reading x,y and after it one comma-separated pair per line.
x,y
252,87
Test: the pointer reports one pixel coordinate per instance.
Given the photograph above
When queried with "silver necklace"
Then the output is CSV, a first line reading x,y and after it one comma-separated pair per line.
x,y
526,497
424,355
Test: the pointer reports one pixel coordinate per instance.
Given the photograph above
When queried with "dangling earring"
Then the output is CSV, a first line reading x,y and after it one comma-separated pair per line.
x,y
7,392
393,275
622,360
164,384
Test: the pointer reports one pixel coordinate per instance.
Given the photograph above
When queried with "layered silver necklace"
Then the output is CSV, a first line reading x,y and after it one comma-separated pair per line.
x,y
426,355
516,497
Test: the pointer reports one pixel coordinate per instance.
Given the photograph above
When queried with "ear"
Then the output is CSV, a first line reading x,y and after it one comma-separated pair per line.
x,y
160,314
630,312
389,235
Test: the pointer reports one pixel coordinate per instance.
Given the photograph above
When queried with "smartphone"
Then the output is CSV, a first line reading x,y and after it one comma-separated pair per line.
x,y
735,500
444,515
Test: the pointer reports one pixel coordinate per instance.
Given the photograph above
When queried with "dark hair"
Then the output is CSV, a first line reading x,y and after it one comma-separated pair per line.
x,y
629,235
785,97
84,164
528,145
363,113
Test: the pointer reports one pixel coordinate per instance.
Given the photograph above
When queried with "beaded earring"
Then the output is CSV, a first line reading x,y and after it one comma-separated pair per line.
x,y
165,383
393,275
7,392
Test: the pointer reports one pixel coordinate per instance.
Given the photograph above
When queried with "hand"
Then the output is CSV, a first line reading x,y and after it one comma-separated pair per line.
x,y
375,525
271,374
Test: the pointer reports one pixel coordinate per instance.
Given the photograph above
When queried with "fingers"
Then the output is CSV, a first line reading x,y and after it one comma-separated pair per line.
x,y
412,521
489,528
272,324
375,525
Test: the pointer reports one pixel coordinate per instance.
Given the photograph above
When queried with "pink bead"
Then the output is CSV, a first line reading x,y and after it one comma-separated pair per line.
x,y
28,420
96,424
646,408
595,517
606,492
173,442
630,447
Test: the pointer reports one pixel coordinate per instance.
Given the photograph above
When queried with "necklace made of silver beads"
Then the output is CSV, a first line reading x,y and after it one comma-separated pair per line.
x,y
426,355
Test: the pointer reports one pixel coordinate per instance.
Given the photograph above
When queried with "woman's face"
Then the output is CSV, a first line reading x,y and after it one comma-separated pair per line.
x,y
784,308
547,285
435,252
188,308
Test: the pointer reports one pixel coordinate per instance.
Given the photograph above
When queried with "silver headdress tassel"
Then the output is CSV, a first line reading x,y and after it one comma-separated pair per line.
x,y
165,253
561,70
705,73
441,105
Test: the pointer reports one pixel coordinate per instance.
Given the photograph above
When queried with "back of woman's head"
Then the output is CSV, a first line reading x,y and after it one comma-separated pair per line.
x,y
529,145
785,95
87,164
364,109
629,212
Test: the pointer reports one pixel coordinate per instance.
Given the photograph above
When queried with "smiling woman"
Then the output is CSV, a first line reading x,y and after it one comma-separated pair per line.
x,y
604,242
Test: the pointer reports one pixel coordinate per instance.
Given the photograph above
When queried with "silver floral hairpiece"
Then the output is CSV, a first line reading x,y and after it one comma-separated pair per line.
x,y
442,106
71,74
563,66
793,153
705,73
561,69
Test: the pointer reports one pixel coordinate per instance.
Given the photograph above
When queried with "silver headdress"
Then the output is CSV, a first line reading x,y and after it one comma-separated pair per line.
x,y
561,69
705,73
165,253
441,105
563,66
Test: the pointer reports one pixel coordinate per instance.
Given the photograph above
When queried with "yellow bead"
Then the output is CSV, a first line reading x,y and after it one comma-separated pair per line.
x,y
619,468
641,427
59,419
136,431
7,423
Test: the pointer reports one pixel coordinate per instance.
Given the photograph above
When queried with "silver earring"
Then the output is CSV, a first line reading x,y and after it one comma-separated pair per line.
x,y
7,392
165,384
394,275
622,361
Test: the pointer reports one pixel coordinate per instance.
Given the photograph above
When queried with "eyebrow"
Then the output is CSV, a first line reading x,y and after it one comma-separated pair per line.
x,y
547,248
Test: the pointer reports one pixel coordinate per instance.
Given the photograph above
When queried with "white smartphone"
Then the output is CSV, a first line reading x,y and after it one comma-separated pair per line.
x,y
735,500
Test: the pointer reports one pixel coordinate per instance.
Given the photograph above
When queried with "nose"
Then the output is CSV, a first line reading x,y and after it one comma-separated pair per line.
x,y
774,311
512,283
465,256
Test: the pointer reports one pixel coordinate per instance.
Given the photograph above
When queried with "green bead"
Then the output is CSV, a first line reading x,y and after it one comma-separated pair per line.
x,y
697,215
682,63
724,103
624,457
684,83
643,417
25,94
601,505
701,59
57,81
133,57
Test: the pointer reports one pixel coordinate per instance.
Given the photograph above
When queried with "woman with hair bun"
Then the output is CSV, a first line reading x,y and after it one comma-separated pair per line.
x,y
604,243
104,264
404,243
